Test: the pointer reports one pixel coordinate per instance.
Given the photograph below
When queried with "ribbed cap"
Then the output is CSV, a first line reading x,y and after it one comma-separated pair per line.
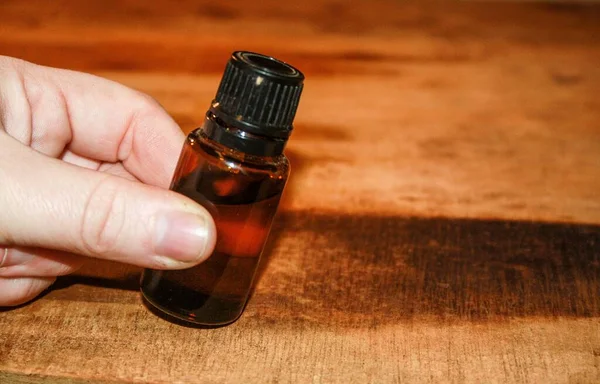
x,y
259,94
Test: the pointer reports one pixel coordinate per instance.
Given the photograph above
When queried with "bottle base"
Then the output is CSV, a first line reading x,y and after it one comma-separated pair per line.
x,y
179,319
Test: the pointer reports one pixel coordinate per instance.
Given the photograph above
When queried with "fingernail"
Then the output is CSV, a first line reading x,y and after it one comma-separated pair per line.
x,y
183,236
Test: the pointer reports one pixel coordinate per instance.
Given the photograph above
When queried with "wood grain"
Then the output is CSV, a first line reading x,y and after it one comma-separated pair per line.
x,y
442,222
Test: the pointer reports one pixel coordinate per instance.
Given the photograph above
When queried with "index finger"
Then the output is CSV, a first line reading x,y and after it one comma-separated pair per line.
x,y
54,110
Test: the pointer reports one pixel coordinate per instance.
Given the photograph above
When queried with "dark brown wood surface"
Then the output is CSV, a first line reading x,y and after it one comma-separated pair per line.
x,y
442,222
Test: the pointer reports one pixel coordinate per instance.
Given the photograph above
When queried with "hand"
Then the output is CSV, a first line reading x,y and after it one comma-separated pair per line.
x,y
85,165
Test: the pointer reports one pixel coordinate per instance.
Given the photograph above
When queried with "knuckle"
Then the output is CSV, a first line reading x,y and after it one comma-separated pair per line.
x,y
11,63
147,102
103,217
147,107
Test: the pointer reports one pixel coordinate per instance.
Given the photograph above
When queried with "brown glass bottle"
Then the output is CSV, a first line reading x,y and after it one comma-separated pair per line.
x,y
234,166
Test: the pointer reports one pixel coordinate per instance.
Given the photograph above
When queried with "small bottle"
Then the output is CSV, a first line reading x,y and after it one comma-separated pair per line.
x,y
234,166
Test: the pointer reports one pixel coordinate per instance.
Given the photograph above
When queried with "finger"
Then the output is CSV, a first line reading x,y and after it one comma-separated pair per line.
x,y
52,110
37,262
15,291
50,204
116,169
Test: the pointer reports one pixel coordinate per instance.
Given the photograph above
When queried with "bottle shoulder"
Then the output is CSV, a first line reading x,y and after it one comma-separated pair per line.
x,y
236,161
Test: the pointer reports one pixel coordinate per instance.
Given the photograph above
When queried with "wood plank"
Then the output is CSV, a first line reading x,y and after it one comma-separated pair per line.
x,y
518,350
442,222
430,300
486,110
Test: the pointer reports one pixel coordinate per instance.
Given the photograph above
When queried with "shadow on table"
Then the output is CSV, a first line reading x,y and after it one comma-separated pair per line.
x,y
359,271
369,271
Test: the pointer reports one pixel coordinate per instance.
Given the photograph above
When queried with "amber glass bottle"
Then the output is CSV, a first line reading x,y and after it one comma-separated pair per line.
x,y
234,166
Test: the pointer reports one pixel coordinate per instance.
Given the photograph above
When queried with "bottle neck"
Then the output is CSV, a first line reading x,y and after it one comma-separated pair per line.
x,y
240,140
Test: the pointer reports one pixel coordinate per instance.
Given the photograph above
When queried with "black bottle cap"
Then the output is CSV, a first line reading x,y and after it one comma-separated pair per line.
x,y
258,94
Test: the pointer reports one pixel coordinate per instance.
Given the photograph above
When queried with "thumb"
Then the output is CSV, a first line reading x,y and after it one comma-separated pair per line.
x,y
48,203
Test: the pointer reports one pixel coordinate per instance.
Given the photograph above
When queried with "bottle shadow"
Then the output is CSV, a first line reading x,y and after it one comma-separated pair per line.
x,y
370,271
365,271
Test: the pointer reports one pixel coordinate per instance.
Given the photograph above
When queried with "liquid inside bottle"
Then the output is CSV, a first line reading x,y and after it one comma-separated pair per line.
x,y
242,194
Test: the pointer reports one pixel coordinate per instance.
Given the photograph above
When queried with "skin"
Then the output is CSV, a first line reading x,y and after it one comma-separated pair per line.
x,y
85,166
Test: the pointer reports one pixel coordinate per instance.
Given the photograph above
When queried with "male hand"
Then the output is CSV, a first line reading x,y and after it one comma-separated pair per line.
x,y
85,165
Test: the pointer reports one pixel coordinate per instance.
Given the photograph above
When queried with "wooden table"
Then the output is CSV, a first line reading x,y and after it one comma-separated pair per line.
x,y
441,223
